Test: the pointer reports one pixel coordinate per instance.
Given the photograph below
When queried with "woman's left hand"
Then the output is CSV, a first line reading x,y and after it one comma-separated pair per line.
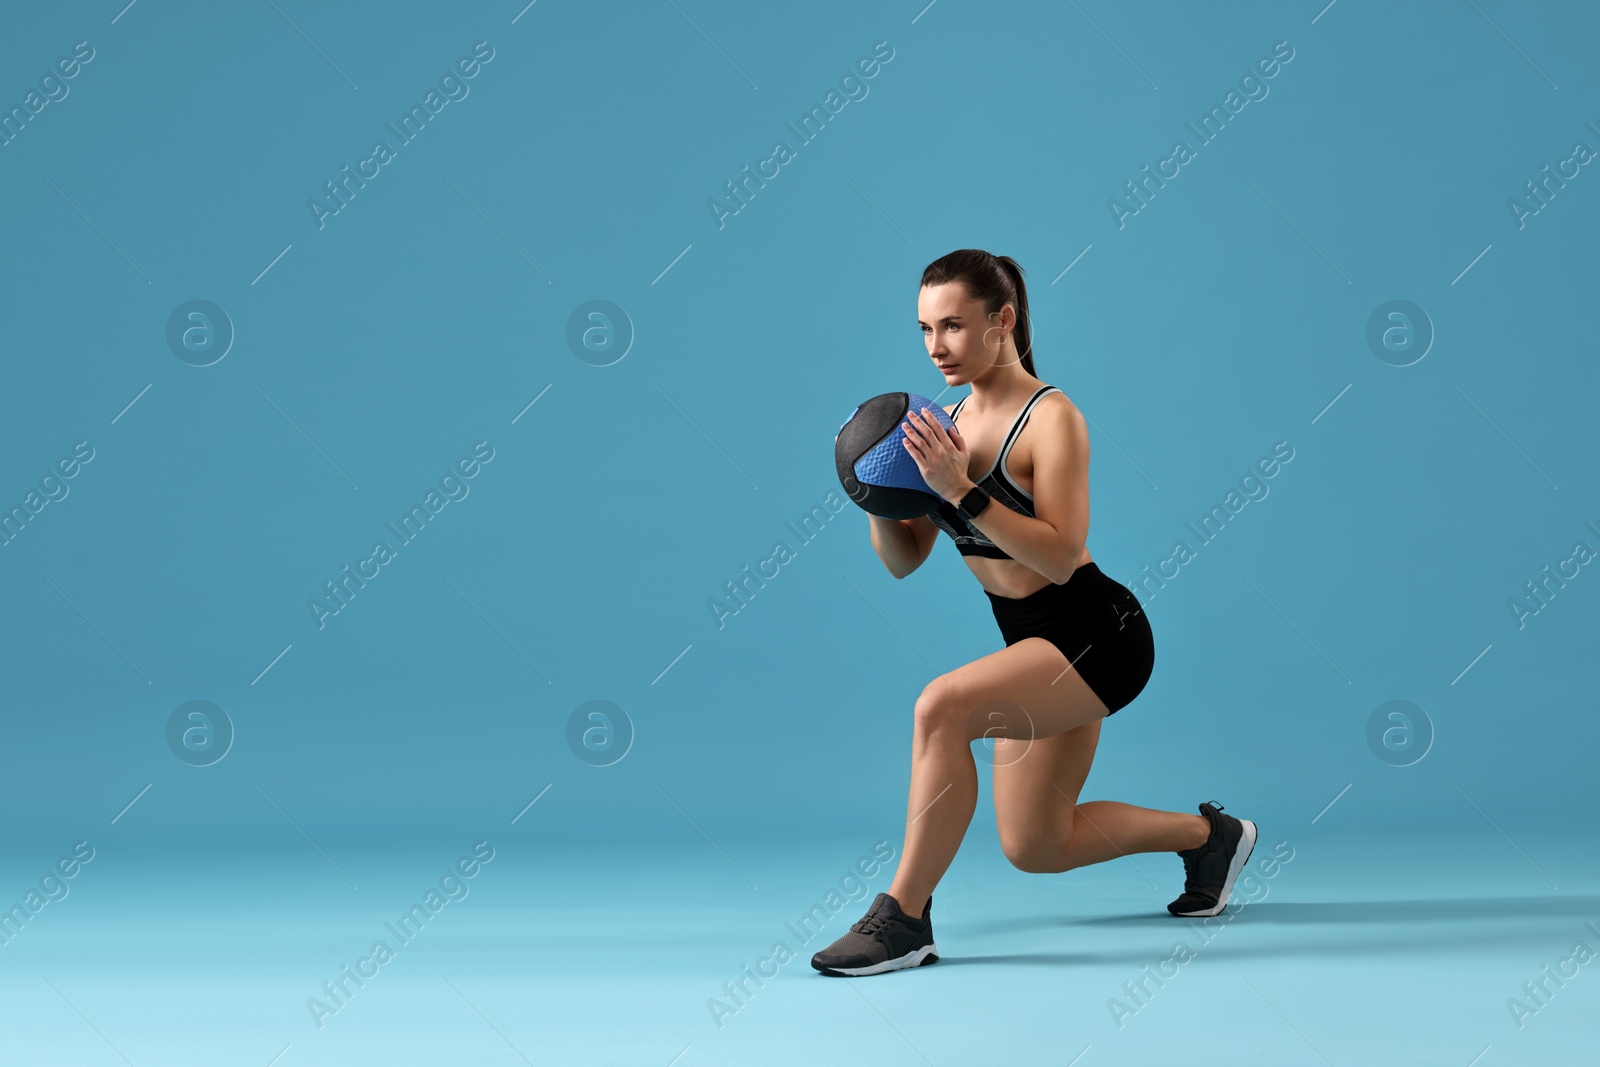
x,y
940,455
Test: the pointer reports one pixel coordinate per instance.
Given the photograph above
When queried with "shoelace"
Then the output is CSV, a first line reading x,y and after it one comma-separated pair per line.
x,y
871,923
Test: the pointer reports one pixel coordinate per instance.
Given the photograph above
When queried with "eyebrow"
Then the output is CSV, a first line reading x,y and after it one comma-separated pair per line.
x,y
947,318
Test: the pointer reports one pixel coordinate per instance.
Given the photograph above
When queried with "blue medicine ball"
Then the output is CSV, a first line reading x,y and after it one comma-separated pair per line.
x,y
875,468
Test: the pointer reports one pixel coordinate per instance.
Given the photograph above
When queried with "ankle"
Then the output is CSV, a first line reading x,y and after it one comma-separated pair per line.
x,y
1199,833
906,902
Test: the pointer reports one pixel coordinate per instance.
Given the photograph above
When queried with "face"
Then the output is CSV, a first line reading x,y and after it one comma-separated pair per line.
x,y
961,339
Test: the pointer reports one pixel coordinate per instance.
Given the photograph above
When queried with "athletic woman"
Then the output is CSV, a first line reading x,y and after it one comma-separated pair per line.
x,y
1014,495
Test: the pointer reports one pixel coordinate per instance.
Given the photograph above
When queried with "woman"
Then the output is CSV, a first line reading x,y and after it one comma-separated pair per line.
x,y
1078,645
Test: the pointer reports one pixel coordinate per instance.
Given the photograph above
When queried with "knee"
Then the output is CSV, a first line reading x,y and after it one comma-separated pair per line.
x,y
941,709
1035,853
1039,845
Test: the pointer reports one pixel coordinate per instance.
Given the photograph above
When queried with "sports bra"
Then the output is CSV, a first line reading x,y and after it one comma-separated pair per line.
x,y
997,483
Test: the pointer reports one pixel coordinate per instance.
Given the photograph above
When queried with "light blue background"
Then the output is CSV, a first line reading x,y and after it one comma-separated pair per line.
x,y
1229,314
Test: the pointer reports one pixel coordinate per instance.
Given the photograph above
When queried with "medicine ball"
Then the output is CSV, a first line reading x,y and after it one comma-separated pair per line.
x,y
875,468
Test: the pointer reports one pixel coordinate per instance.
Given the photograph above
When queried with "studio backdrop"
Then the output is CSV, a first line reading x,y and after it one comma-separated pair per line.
x,y
417,487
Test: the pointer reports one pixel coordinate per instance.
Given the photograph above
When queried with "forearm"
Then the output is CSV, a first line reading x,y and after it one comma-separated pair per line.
x,y
895,544
1032,542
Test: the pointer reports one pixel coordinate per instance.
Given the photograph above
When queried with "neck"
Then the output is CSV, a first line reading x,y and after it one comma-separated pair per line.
x,y
1004,385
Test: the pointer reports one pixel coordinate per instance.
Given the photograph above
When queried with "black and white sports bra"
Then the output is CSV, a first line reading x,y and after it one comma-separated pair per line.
x,y
997,483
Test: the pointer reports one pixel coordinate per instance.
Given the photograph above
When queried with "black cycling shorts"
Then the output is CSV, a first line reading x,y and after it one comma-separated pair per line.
x,y
1096,622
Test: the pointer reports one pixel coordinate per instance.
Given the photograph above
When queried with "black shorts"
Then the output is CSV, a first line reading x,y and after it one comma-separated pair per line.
x,y
1096,622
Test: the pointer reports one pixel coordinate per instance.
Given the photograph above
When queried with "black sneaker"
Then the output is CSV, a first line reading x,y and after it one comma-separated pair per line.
x,y
1210,869
884,939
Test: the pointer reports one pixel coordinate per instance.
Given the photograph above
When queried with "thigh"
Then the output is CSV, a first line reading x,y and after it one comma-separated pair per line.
x,y
1036,786
1044,723
1025,692
1044,720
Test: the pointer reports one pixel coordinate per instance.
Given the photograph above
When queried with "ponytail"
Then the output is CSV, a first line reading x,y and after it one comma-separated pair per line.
x,y
994,281
1024,331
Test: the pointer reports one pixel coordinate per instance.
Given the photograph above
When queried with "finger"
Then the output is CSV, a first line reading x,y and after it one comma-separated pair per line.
x,y
916,458
926,422
932,433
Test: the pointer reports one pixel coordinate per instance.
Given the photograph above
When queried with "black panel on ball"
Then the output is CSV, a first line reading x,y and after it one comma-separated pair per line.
x,y
873,421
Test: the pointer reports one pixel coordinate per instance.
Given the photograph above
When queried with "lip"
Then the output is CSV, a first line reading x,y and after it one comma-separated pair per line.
x,y
948,366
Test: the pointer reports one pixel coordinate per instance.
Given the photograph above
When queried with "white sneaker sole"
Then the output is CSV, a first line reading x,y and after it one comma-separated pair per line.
x,y
910,959
1241,856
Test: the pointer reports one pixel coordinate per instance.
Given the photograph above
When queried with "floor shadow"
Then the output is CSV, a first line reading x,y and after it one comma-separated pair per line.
x,y
1413,946
1314,912
1391,911
1044,959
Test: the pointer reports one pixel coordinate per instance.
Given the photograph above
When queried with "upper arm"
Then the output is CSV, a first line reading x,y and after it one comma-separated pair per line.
x,y
1061,473
925,532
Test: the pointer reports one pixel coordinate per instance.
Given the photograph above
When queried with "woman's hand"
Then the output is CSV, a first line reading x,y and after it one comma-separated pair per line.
x,y
940,455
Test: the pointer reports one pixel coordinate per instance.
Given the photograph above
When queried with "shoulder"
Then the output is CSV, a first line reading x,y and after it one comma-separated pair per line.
x,y
1060,420
1055,407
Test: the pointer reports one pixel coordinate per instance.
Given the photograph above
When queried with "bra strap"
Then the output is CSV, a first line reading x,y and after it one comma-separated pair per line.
x,y
1016,427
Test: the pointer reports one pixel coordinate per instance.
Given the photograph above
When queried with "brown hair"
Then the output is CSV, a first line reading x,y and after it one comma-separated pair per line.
x,y
992,280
